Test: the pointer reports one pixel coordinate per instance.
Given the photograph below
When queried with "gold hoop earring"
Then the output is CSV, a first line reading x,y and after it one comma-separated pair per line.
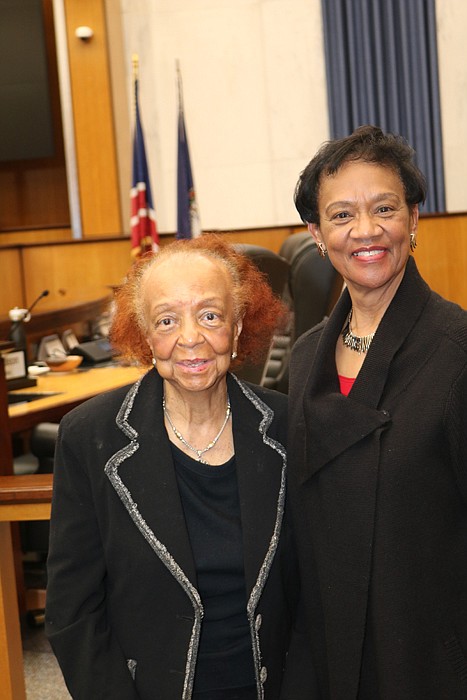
x,y
413,241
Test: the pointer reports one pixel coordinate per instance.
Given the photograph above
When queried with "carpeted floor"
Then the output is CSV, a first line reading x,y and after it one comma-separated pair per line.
x,y
43,678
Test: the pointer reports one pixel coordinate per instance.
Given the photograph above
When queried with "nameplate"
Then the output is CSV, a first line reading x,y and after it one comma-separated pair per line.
x,y
15,364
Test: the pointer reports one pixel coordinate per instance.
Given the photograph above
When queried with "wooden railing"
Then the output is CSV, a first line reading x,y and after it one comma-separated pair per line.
x,y
21,498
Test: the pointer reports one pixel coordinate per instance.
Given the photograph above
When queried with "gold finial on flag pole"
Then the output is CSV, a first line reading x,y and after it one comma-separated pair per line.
x,y
135,64
135,76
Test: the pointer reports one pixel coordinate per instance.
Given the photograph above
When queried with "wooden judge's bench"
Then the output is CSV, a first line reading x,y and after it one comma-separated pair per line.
x,y
29,497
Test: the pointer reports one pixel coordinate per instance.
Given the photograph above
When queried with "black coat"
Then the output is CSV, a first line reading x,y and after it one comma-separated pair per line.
x,y
123,612
378,485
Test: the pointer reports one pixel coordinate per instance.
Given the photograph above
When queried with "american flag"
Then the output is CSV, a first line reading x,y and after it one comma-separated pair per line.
x,y
188,222
144,236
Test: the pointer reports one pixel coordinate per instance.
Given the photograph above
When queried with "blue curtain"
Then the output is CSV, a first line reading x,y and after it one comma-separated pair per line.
x,y
382,69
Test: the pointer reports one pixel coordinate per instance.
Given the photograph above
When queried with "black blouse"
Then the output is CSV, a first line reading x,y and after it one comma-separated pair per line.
x,y
211,506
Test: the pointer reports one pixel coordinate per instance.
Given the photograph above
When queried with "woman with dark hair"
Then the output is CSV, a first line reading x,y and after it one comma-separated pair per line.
x,y
171,570
378,440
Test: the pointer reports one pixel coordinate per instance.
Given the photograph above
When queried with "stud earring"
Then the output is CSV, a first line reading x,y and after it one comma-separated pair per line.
x,y
154,361
413,241
233,355
322,249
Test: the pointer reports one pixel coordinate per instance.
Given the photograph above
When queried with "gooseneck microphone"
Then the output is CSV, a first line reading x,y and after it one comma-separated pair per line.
x,y
17,331
43,294
25,315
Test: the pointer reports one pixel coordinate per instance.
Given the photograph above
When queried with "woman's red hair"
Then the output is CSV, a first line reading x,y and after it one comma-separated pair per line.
x,y
263,313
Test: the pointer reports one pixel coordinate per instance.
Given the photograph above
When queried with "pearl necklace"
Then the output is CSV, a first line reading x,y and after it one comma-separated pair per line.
x,y
356,342
199,453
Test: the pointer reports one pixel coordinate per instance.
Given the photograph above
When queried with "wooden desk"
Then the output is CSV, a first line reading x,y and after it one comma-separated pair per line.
x,y
21,498
72,389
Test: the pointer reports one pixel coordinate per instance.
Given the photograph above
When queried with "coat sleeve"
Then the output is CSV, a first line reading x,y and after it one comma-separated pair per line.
x,y
297,685
91,660
299,681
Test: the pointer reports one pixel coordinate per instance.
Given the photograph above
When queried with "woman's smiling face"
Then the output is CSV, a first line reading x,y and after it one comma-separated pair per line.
x,y
191,323
365,224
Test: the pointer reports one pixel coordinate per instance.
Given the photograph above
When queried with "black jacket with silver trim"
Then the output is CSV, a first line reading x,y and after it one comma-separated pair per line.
x,y
123,612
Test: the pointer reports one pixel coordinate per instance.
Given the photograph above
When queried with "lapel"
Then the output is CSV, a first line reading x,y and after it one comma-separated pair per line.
x,y
333,422
260,462
143,476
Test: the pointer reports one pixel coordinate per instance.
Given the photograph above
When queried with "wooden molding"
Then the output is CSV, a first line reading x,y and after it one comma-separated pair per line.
x,y
93,119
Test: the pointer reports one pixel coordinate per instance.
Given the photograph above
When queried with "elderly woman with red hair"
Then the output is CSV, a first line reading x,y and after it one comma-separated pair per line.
x,y
171,571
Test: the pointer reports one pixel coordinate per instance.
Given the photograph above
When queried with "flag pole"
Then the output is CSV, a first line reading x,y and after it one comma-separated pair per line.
x,y
135,75
179,85
188,224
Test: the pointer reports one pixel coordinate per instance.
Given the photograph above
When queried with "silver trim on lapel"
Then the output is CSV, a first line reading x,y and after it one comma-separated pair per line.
x,y
111,470
268,415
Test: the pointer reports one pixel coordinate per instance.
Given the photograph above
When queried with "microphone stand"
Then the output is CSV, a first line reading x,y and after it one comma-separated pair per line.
x,y
27,312
17,331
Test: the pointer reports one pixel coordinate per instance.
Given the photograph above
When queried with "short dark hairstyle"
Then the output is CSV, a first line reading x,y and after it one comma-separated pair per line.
x,y
369,144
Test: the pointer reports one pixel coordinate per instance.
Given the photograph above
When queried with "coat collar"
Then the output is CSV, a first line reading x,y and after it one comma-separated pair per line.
x,y
335,422
144,478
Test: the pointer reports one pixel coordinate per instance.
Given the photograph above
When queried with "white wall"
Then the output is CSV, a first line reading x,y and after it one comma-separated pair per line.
x,y
451,16
255,101
254,97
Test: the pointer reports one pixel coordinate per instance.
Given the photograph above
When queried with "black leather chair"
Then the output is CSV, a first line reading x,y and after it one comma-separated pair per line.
x,y
270,370
314,286
288,250
35,534
274,265
292,243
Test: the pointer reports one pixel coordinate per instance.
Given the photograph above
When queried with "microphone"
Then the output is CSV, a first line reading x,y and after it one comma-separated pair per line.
x,y
25,316
17,331
43,294
19,317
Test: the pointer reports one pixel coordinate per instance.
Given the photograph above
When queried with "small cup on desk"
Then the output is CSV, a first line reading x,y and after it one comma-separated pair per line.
x,y
38,368
64,363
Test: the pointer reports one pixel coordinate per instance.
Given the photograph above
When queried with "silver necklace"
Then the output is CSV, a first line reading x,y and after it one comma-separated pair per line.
x,y
199,453
356,342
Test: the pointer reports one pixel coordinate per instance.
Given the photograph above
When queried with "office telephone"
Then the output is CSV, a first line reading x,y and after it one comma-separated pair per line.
x,y
93,351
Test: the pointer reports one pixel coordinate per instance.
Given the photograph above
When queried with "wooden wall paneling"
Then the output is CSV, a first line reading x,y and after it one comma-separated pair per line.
x,y
31,236
76,272
271,238
119,61
12,291
33,193
81,271
93,120
441,255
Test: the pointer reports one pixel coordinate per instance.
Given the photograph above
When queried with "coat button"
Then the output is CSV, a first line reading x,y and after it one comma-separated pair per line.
x,y
258,622
263,674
